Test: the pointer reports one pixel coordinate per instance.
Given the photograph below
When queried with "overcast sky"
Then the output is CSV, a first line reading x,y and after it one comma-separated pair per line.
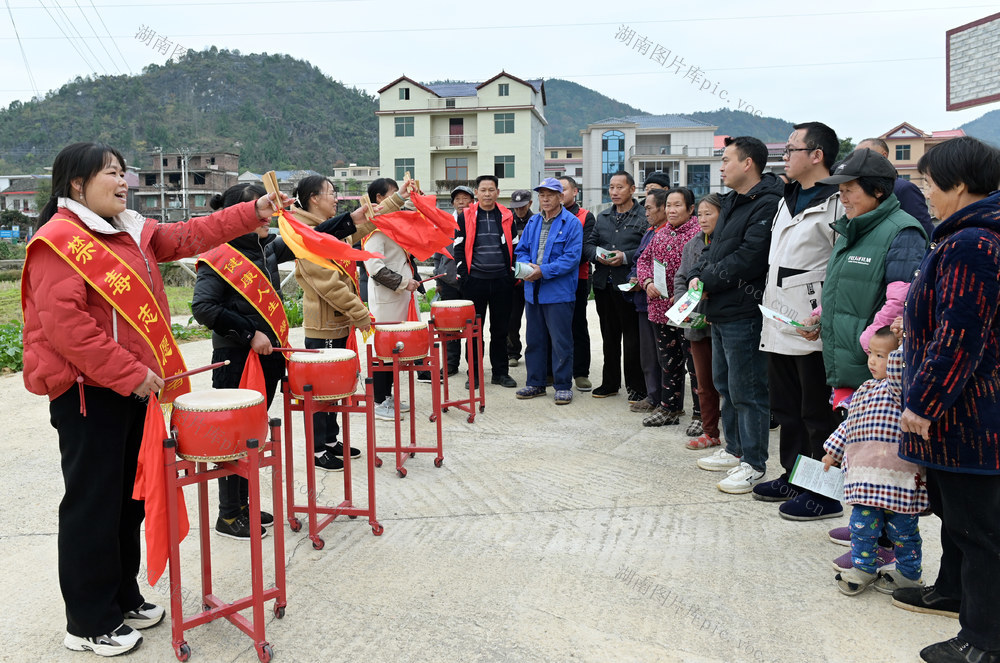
x,y
860,66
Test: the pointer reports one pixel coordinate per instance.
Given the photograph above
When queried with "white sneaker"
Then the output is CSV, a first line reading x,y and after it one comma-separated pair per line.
x,y
123,639
145,616
719,461
740,479
386,409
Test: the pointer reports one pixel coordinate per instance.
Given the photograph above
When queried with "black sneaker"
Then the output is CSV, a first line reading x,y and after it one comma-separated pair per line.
x,y
504,381
957,650
145,616
266,519
238,529
329,462
338,451
635,396
452,370
604,392
422,376
925,600
773,424
123,639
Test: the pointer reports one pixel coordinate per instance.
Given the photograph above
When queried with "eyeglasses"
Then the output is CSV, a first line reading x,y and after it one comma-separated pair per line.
x,y
788,150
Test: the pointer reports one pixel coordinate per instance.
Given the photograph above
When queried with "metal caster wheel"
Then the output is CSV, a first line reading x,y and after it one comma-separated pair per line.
x,y
413,455
205,607
438,461
279,611
318,543
378,462
471,418
265,653
444,409
183,652
294,524
377,529
482,408
401,471
353,517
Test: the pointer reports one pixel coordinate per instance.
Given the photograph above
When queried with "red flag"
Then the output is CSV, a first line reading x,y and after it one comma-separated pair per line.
x,y
150,485
253,375
314,246
443,221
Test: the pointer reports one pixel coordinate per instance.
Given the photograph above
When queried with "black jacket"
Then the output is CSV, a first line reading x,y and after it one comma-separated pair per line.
x,y
221,308
608,234
734,267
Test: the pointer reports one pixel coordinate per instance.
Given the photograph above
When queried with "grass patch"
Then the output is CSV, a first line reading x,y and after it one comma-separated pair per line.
x,y
10,302
180,297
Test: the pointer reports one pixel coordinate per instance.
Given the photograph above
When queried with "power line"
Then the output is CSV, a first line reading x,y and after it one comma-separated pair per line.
x,y
99,40
79,36
24,55
113,40
67,37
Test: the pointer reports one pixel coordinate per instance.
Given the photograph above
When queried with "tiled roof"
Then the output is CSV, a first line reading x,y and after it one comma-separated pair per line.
x,y
656,121
453,89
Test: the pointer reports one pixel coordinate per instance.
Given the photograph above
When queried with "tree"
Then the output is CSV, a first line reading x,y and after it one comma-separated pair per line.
x,y
43,194
846,147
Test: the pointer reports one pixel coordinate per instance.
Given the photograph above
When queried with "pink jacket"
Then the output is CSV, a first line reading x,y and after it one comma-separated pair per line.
x,y
666,247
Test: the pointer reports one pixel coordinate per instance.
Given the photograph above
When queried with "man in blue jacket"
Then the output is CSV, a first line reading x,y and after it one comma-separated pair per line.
x,y
550,247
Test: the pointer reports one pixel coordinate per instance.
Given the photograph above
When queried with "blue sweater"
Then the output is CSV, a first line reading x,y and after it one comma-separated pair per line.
x,y
560,259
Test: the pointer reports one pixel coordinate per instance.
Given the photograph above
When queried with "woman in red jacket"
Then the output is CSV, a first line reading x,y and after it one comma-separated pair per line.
x,y
96,342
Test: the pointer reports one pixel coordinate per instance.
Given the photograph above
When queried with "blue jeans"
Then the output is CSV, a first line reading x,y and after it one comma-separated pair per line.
x,y
549,326
739,370
866,526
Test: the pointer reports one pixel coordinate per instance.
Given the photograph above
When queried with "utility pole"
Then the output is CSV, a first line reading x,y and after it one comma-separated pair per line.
x,y
163,200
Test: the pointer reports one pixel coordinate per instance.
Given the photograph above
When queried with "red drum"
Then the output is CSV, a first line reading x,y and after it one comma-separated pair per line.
x,y
413,335
451,315
332,372
214,425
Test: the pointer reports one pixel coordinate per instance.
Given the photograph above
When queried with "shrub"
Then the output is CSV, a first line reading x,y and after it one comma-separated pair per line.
x,y
11,357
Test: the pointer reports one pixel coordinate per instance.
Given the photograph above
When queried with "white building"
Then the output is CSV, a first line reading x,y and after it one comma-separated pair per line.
x,y
642,144
448,134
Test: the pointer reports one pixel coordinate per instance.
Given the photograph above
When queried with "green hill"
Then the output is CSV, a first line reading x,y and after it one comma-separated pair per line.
x,y
986,127
571,107
740,123
279,112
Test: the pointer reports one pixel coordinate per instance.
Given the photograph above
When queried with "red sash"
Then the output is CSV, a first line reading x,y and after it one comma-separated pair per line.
x,y
123,288
250,281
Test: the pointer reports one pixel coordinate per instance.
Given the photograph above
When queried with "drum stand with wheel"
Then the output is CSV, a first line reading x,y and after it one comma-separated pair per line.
x,y
471,331
308,405
411,368
181,473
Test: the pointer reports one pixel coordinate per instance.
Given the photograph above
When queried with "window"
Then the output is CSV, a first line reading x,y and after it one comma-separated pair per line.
x,y
902,153
699,179
503,123
343,173
211,160
403,165
612,159
199,178
404,94
503,166
554,154
904,177
404,126
174,178
150,180
503,89
579,172
200,200
449,103
569,155
456,169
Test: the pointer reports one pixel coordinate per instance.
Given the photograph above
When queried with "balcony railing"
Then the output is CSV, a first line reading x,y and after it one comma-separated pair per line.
x,y
670,151
459,142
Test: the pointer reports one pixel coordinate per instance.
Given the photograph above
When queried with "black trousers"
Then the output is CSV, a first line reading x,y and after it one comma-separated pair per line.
x,y
620,335
516,316
800,403
969,508
234,490
496,295
581,334
98,519
454,349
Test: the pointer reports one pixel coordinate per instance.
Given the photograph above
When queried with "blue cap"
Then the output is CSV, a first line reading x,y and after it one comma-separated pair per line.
x,y
550,183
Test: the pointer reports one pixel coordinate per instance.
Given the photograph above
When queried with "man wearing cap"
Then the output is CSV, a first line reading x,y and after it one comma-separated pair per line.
x,y
911,198
618,231
581,332
520,205
447,285
550,247
484,256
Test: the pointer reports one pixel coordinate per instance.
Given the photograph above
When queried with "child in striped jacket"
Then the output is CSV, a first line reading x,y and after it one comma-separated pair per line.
x,y
883,488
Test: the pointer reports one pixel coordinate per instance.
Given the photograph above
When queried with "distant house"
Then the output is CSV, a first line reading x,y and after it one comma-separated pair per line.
x,y
447,134
17,192
680,146
175,186
287,179
568,161
907,144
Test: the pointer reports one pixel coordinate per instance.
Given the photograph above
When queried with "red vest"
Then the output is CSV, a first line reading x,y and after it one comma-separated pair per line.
x,y
585,267
506,222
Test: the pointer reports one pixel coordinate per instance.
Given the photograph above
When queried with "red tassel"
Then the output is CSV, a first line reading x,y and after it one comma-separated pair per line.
x,y
83,403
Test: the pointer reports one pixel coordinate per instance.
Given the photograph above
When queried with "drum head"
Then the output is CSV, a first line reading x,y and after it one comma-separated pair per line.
x,y
325,355
216,400
452,303
413,325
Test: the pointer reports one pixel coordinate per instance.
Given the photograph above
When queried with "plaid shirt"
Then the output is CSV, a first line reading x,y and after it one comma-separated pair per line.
x,y
867,446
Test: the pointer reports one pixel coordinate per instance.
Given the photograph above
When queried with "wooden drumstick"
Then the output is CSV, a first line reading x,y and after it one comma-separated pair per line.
x,y
295,350
193,371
